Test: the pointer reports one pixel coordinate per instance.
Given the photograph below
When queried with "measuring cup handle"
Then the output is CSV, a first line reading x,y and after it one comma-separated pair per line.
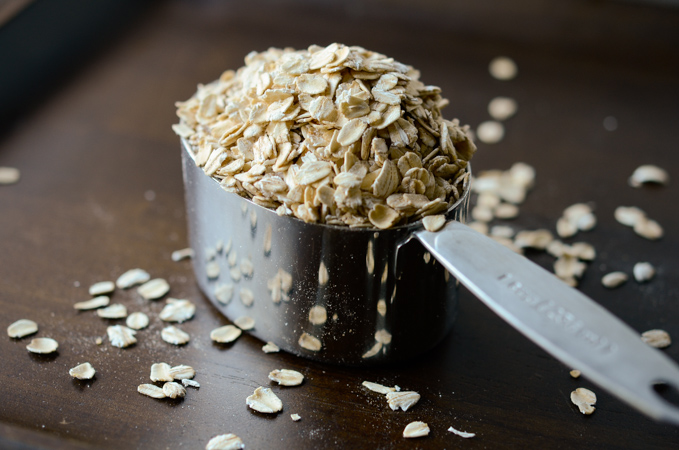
x,y
560,319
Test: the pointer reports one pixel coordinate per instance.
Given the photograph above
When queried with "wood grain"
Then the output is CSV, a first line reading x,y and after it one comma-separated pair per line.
x,y
94,148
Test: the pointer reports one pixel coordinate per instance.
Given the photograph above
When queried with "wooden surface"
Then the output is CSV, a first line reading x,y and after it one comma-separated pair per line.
x,y
101,192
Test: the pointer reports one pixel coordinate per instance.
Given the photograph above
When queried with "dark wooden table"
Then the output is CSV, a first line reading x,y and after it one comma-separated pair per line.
x,y
101,192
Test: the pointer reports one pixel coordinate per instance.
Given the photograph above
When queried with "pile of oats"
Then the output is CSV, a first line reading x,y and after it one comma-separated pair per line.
x,y
338,135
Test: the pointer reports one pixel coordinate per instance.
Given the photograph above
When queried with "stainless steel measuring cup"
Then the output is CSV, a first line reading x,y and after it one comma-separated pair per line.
x,y
366,296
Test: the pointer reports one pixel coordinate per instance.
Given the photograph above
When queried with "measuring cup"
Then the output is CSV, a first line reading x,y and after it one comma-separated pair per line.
x,y
363,296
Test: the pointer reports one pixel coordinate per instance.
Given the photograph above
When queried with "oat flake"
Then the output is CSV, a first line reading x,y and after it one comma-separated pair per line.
x,y
151,390
174,390
137,321
161,372
154,289
9,175
270,347
21,328
286,377
245,323
96,302
177,310
415,430
132,278
584,399
173,335
376,387
463,434
265,401
42,345
184,253
656,338
310,342
121,336
225,334
83,371
101,288
403,400
318,315
225,442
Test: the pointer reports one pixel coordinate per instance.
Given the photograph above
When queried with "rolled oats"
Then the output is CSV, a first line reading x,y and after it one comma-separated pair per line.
x,y
21,328
574,373
42,345
415,430
244,323
310,342
182,372
121,336
318,315
177,310
538,239
131,278
270,347
225,442
154,289
643,271
225,334
265,401
463,434
403,400
114,311
295,417
193,383
503,68
224,293
151,390
656,338
9,175
83,371
175,336
648,173
629,215
102,287
434,223
174,390
161,372
584,399
614,279
328,135
247,297
376,387
490,132
137,321
502,108
286,377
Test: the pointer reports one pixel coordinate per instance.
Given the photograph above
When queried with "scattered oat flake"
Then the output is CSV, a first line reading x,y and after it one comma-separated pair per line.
x,y
173,335
21,328
102,287
177,310
629,215
212,270
42,345
265,401
96,302
310,342
415,430
154,289
376,387
245,323
648,173
584,399
121,336
318,315
656,338
225,334
182,372
295,417
614,279
649,229
151,390
9,175
247,297
286,377
270,347
131,278
174,390
161,372
463,434
643,271
374,350
184,253
192,383
403,400
225,442
574,373
502,108
84,371
137,321
503,68
114,311
490,132
98,340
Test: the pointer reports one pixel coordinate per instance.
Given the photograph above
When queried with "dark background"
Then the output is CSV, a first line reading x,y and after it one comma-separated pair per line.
x,y
87,100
